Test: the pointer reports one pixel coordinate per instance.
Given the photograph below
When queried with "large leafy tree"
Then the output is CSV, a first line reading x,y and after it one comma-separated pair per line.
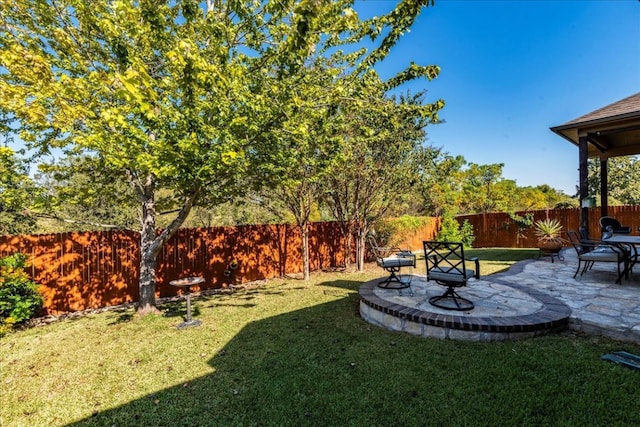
x,y
381,135
439,180
175,95
296,171
447,184
316,137
82,193
17,194
623,178
482,191
541,197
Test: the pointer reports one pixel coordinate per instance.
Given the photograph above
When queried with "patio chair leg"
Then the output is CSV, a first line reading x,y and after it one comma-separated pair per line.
x,y
625,271
394,278
619,279
451,295
577,269
587,267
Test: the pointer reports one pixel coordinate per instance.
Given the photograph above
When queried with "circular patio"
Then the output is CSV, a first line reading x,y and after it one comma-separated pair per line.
x,y
503,311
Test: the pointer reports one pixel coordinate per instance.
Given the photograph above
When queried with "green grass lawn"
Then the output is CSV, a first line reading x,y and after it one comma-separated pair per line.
x,y
290,353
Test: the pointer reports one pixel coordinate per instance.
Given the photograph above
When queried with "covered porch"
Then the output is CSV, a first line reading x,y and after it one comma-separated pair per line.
x,y
610,131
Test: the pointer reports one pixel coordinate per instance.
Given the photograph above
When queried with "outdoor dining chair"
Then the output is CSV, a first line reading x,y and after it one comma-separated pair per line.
x,y
592,251
611,225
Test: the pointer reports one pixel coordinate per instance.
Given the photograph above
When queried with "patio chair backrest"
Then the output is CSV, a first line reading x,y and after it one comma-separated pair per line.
x,y
384,253
378,251
611,225
446,263
575,240
446,256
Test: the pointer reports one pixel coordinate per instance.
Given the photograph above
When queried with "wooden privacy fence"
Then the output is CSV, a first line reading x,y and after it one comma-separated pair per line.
x,y
499,230
78,271
412,239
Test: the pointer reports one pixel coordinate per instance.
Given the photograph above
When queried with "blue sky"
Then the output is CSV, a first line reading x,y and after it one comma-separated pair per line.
x,y
511,69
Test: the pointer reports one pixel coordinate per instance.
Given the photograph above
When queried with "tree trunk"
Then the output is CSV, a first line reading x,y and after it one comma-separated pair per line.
x,y
348,241
360,248
150,241
304,228
361,244
148,250
147,302
360,251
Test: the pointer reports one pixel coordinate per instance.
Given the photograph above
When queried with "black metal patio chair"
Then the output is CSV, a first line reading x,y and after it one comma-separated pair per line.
x,y
592,251
611,225
392,260
446,265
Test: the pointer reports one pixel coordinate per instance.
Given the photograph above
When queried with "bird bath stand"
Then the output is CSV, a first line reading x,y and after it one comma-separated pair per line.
x,y
186,284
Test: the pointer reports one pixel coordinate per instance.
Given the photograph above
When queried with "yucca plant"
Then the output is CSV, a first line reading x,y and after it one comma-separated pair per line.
x,y
548,232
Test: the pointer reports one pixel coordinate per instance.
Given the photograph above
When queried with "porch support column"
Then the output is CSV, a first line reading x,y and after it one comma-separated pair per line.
x,y
604,185
584,185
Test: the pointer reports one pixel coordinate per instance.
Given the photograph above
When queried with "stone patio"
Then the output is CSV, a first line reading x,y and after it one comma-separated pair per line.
x,y
533,297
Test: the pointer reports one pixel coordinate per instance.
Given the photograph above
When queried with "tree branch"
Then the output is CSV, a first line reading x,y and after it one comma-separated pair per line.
x,y
72,221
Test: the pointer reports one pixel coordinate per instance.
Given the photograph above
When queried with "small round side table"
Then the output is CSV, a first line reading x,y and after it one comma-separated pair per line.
x,y
186,284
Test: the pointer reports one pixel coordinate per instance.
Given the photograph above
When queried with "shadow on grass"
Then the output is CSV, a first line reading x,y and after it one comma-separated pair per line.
x,y
178,308
123,316
297,368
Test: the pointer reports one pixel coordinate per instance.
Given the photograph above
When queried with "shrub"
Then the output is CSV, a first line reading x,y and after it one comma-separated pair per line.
x,y
452,231
522,224
20,299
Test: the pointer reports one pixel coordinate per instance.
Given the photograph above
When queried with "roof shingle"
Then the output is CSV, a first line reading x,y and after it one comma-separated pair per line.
x,y
627,106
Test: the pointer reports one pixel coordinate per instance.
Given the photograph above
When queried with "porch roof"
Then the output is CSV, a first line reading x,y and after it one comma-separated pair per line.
x,y
611,131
